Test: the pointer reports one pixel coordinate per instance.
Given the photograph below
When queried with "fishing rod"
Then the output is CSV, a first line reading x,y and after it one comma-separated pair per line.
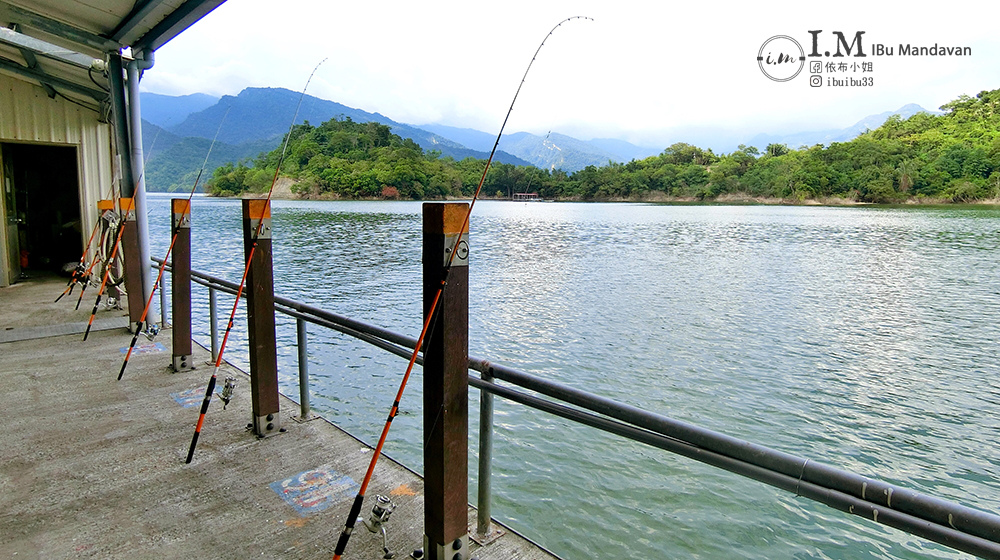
x,y
107,269
246,270
173,240
111,194
359,499
97,257
80,269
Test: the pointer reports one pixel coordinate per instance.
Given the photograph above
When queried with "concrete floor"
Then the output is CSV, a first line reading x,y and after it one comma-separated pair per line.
x,y
92,467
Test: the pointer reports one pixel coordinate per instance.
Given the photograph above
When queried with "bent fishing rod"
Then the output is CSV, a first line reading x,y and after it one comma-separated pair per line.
x,y
246,270
85,276
359,499
173,240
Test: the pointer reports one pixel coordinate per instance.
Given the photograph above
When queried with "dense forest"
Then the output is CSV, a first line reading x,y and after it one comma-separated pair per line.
x,y
950,157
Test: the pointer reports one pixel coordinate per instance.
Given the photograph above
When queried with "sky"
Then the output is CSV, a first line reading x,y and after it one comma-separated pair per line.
x,y
650,72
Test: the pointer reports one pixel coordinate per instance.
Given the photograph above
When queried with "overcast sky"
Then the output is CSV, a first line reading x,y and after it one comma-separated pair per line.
x,y
648,72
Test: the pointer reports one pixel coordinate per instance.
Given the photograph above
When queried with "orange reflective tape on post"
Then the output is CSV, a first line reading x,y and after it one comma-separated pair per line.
x,y
258,208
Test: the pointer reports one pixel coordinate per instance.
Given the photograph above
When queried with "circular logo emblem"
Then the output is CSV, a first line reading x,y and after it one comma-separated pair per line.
x,y
781,58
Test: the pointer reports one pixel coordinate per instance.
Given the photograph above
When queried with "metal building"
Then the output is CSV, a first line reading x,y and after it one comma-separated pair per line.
x,y
70,120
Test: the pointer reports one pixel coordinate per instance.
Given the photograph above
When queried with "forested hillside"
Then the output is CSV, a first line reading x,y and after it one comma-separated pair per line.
x,y
954,156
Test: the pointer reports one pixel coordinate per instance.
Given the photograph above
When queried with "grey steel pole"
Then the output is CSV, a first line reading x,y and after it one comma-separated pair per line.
x,y
213,314
300,331
484,501
141,215
163,304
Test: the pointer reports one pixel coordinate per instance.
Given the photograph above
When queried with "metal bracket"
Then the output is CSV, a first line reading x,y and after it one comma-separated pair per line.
x,y
483,540
182,363
265,230
266,426
462,257
456,550
182,221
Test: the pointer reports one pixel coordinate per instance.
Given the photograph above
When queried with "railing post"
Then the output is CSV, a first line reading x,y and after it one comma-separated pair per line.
x,y
213,317
163,304
180,284
483,503
260,317
300,333
446,383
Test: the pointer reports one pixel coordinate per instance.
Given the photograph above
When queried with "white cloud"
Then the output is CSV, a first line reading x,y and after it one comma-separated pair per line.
x,y
638,71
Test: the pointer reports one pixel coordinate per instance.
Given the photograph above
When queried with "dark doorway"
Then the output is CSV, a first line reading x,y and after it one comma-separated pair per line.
x,y
45,203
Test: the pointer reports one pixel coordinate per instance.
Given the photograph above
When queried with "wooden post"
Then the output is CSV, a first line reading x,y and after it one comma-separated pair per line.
x,y
260,318
133,268
180,283
446,384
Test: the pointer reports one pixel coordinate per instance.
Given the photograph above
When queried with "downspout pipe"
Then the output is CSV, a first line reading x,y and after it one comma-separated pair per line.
x,y
142,60
115,75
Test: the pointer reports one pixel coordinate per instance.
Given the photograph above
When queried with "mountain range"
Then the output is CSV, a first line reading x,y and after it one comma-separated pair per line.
x,y
255,121
178,130
827,137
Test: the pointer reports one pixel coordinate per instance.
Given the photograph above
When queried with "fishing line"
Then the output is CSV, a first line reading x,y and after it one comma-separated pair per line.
x,y
359,499
246,270
163,264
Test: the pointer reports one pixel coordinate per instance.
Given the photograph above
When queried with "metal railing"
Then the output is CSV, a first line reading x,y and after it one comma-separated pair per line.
x,y
935,519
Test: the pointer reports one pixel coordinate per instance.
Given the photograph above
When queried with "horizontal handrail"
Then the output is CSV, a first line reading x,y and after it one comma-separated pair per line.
x,y
876,492
948,523
842,501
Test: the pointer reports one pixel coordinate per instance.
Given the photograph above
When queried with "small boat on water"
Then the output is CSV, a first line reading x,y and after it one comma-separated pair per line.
x,y
527,197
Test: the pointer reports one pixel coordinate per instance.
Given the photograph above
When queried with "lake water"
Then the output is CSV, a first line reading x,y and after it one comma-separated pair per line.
x,y
865,338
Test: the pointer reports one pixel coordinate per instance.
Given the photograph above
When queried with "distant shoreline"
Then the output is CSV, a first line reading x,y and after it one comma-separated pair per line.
x,y
283,192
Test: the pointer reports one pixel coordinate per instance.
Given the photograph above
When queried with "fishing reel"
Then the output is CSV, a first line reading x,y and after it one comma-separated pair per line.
x,y
227,392
151,331
376,521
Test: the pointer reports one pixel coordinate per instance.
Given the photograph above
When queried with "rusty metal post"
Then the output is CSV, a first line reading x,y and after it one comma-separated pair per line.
x,y
133,268
260,318
180,283
446,384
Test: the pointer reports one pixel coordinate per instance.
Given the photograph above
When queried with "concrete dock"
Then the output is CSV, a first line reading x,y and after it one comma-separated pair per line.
x,y
92,467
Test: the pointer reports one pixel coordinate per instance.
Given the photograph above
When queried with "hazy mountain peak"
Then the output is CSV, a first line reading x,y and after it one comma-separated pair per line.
x,y
827,137
168,110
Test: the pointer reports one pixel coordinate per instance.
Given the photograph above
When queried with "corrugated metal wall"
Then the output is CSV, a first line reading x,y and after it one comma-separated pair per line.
x,y
28,115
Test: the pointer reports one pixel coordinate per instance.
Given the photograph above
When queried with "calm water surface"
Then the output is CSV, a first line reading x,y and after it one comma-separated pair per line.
x,y
865,338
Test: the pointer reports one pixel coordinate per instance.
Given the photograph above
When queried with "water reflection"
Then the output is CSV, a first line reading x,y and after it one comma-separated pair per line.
x,y
864,338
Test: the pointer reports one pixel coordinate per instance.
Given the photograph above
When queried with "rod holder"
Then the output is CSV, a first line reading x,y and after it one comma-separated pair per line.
x,y
180,285
446,382
260,317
